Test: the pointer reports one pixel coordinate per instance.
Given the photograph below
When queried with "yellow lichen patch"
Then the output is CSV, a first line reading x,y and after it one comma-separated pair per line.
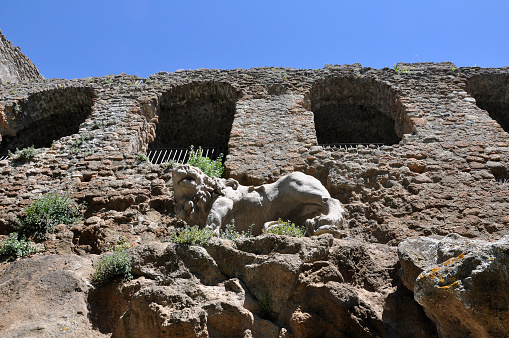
x,y
454,259
450,286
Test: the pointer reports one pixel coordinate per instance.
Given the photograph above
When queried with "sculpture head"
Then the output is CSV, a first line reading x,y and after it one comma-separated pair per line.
x,y
193,194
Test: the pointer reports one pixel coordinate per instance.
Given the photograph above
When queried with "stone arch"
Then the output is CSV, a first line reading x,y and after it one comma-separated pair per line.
x,y
198,114
491,92
44,116
355,110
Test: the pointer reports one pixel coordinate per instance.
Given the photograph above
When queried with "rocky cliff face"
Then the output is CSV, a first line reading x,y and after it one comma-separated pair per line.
x,y
267,286
418,156
14,65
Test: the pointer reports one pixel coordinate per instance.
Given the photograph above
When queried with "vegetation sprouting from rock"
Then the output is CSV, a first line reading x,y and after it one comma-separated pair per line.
x,y
142,158
113,265
286,228
196,236
14,248
40,217
23,155
193,235
212,168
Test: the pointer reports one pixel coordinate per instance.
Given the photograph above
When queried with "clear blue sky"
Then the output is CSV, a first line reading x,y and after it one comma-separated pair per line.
x,y
74,39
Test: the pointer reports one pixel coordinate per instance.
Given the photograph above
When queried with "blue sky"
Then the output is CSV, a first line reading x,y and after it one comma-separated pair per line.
x,y
74,39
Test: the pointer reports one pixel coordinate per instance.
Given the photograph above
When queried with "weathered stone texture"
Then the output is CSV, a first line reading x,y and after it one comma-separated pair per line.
x,y
14,65
446,174
460,282
442,169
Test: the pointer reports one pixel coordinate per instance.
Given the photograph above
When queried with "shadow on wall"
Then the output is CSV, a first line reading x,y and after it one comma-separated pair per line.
x,y
491,92
44,117
198,114
354,110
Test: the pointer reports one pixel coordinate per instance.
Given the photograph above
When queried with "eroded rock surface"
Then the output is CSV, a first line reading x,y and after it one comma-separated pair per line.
x,y
14,65
267,286
46,296
461,283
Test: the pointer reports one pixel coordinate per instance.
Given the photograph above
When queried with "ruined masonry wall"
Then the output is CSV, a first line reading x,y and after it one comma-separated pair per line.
x,y
445,172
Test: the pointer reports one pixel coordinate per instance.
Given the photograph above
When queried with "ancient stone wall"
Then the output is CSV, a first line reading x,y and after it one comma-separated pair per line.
x,y
420,150
430,160
14,65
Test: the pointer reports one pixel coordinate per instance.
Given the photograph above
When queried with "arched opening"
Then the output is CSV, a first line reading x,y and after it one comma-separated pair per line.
x,y
197,114
44,117
351,110
491,93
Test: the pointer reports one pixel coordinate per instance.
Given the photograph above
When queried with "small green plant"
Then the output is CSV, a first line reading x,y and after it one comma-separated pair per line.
x,y
265,303
286,228
142,158
401,70
231,233
23,155
112,265
209,167
169,165
97,125
87,135
15,248
74,150
196,236
192,235
40,217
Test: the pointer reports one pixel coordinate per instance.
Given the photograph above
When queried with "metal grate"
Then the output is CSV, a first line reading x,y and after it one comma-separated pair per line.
x,y
158,156
353,145
3,157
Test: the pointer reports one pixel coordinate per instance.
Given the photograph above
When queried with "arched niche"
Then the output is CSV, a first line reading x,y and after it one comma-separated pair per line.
x,y
44,117
198,114
354,110
491,93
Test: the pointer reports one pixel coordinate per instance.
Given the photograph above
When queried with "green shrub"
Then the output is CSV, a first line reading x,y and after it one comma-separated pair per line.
x,y
231,233
23,155
40,217
142,158
286,228
169,165
208,166
192,235
197,236
14,247
112,265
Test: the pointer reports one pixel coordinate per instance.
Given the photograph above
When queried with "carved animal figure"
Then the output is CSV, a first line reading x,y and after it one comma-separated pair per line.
x,y
214,202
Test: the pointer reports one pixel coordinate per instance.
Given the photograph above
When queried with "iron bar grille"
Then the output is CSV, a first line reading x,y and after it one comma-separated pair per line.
x,y
353,145
158,156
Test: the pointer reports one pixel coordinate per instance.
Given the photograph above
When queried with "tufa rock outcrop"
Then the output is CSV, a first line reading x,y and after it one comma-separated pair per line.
x,y
267,286
14,65
463,284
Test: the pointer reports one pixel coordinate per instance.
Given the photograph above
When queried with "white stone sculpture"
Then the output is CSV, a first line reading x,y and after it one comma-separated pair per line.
x,y
214,202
